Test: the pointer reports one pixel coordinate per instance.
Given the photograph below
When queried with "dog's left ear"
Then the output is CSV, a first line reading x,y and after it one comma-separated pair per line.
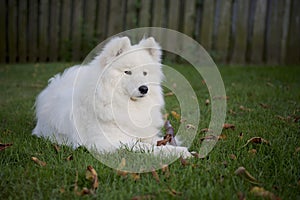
x,y
153,47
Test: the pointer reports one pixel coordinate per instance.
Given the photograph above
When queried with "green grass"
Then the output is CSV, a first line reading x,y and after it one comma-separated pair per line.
x,y
275,166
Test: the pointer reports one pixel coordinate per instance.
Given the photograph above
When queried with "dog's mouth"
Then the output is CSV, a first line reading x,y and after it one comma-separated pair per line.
x,y
135,98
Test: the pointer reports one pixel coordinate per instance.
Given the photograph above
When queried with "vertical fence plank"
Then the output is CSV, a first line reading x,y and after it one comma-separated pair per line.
x,y
189,17
88,40
102,20
158,13
274,32
207,24
115,24
223,33
145,13
32,47
258,32
22,32
76,30
240,44
43,31
173,18
54,24
285,29
293,42
12,30
65,42
2,33
131,18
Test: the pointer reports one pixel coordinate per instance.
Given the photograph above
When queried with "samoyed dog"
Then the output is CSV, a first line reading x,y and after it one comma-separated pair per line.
x,y
114,100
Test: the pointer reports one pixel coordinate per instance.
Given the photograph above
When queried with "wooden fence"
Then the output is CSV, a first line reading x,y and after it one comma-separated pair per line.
x,y
232,31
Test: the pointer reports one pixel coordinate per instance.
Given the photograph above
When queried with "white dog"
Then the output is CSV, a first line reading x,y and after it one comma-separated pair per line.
x,y
115,99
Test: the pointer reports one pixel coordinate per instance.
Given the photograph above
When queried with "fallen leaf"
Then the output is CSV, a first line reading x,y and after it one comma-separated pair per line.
x,y
256,140
229,126
169,94
207,102
241,171
263,105
208,137
122,164
165,170
245,109
70,157
270,84
241,135
232,157
4,146
91,175
252,151
222,137
190,126
62,190
56,148
37,161
241,196
173,192
232,112
183,161
155,175
195,154
166,139
205,130
261,192
135,176
175,115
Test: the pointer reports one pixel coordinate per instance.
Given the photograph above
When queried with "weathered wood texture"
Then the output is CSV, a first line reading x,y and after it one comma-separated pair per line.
x,y
232,31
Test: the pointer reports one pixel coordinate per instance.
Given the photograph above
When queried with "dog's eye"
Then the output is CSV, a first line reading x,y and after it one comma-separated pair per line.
x,y
128,72
145,73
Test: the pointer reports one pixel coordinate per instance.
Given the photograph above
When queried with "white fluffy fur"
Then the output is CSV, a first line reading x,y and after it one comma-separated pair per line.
x,y
98,105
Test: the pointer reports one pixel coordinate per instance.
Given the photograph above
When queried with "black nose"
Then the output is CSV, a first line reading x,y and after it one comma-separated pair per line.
x,y
143,89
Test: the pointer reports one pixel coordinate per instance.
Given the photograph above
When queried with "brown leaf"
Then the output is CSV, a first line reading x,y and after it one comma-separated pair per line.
x,y
155,175
241,196
70,157
229,126
252,151
245,109
241,171
195,154
135,176
91,175
205,130
190,126
56,148
165,170
208,137
183,161
37,161
175,115
232,157
166,139
256,140
207,102
261,192
263,105
173,192
232,112
222,137
4,146
169,94
270,84
241,135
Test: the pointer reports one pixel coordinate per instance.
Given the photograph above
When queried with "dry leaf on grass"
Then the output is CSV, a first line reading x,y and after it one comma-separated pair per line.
x,y
39,162
155,175
56,148
166,139
190,126
263,105
173,192
4,146
229,126
175,115
183,161
69,158
205,130
245,109
252,151
135,176
92,175
256,140
209,138
241,171
207,102
165,170
241,196
169,94
232,157
261,192
270,84
122,164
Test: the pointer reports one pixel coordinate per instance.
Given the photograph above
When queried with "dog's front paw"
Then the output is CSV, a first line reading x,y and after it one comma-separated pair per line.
x,y
184,152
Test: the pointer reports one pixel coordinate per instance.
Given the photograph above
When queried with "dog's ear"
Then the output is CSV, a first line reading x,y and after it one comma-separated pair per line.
x,y
153,47
114,48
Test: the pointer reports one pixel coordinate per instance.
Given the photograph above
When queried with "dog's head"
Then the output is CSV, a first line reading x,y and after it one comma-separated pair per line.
x,y
134,70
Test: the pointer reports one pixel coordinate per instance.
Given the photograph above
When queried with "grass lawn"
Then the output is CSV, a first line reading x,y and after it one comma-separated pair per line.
x,y
262,102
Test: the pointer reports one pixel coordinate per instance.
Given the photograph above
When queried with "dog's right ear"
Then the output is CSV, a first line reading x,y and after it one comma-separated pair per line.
x,y
114,48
